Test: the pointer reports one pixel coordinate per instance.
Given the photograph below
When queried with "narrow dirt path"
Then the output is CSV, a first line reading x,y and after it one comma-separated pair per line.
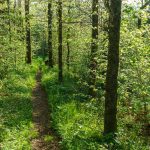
x,y
41,119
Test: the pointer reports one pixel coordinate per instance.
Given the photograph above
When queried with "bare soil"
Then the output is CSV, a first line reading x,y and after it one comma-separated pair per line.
x,y
41,119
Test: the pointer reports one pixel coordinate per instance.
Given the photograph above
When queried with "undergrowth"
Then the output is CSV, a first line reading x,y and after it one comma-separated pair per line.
x,y
80,123
16,108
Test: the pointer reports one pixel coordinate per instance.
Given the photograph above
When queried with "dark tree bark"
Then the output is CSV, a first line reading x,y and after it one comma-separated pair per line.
x,y
50,50
94,49
139,22
68,43
60,65
110,120
28,34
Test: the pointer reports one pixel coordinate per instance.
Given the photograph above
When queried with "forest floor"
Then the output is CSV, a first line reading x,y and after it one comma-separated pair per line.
x,y
46,139
32,109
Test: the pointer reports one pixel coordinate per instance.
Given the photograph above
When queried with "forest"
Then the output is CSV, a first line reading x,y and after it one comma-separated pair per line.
x,y
74,74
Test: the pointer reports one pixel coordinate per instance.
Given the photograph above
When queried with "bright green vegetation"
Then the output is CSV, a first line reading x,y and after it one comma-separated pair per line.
x,y
48,138
75,121
80,122
16,108
73,41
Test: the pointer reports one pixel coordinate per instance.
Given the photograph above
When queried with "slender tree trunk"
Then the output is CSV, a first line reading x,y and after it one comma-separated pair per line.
x,y
28,36
139,23
50,50
60,75
9,21
15,57
68,38
68,49
20,23
94,49
110,120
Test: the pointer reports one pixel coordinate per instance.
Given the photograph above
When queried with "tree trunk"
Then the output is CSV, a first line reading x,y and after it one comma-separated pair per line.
x,y
60,65
15,26
50,50
94,49
9,21
28,38
110,120
20,23
68,49
68,38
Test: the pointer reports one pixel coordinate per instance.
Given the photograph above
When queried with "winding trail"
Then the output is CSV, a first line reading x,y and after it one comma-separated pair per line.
x,y
41,119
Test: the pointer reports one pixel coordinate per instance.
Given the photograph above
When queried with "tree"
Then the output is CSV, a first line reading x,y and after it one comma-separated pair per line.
x,y
20,23
68,38
94,49
60,65
9,22
28,38
50,50
110,120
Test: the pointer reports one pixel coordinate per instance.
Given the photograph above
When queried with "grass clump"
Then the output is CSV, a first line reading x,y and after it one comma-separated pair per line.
x,y
79,122
76,121
16,108
48,138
